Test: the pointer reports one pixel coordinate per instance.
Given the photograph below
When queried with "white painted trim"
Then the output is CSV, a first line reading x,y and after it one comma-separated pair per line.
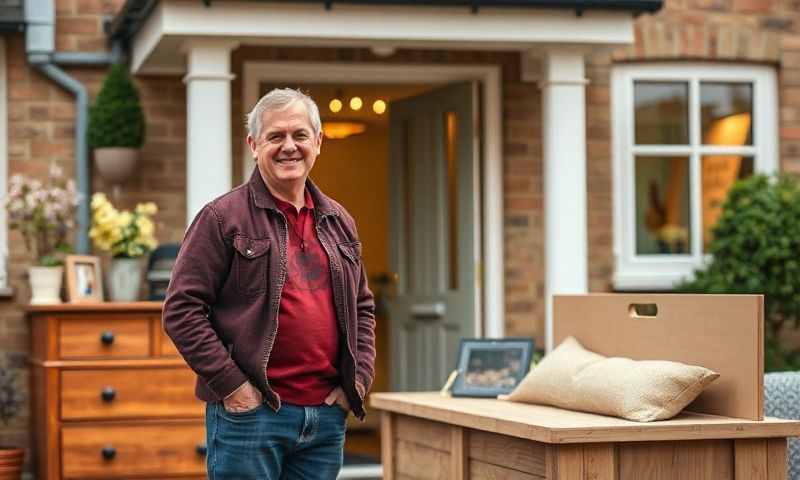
x,y
379,26
491,246
3,164
656,272
563,124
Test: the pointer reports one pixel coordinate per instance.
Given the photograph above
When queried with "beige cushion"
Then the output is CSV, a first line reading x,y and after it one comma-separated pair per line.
x,y
574,378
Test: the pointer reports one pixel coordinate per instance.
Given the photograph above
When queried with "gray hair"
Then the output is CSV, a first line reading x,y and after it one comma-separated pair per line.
x,y
278,99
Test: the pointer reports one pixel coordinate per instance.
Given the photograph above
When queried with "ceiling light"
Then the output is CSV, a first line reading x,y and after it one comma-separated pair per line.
x,y
335,105
337,130
379,107
356,103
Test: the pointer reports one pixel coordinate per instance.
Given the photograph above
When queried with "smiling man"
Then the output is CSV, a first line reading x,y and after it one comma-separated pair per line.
x,y
269,305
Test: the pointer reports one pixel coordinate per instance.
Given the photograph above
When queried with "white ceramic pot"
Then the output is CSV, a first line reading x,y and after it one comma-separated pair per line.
x,y
116,164
45,284
126,276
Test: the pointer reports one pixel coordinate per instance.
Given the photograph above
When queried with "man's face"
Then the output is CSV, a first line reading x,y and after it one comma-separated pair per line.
x,y
287,147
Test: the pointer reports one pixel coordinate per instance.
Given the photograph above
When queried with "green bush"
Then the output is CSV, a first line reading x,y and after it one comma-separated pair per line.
x,y
116,118
756,249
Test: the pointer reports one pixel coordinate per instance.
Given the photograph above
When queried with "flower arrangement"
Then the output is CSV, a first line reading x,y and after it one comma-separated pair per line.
x,y
123,233
44,214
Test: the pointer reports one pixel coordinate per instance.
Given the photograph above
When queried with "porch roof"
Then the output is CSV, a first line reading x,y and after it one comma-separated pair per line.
x,y
159,32
135,12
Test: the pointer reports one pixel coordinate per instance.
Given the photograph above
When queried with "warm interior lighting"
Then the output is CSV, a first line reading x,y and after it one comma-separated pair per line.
x,y
335,105
379,107
338,130
356,103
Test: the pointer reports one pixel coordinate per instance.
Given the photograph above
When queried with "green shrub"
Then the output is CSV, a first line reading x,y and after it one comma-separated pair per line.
x,y
116,118
756,249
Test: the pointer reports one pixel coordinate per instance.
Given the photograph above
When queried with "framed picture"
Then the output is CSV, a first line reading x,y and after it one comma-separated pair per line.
x,y
84,279
491,367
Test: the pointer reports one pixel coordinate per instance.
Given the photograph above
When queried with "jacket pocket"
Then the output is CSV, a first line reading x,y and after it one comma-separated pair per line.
x,y
351,251
252,264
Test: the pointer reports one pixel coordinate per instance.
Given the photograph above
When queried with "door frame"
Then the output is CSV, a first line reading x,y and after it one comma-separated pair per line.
x,y
489,284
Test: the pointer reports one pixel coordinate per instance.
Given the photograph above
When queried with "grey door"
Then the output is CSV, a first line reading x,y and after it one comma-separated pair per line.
x,y
433,181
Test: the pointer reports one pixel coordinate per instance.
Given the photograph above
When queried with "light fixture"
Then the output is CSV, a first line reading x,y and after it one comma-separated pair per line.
x,y
379,106
337,130
356,103
335,105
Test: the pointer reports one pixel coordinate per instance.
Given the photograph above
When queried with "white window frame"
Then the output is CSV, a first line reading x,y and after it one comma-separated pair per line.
x,y
662,272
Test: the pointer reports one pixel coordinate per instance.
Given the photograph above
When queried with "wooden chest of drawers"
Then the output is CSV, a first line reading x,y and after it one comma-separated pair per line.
x,y
111,397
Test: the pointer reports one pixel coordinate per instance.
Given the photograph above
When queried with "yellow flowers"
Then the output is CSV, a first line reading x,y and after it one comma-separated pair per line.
x,y
124,234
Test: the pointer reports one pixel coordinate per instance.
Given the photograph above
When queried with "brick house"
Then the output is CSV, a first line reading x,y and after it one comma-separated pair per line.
x,y
582,146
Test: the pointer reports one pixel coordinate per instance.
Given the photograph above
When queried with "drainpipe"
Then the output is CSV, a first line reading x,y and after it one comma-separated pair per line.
x,y
40,17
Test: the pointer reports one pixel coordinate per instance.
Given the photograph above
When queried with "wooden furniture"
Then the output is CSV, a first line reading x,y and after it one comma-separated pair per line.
x,y
111,396
427,436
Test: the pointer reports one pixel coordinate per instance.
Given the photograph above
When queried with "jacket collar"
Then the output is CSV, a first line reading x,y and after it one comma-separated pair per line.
x,y
263,199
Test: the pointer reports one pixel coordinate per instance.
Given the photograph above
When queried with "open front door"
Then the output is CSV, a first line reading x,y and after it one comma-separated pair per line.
x,y
434,213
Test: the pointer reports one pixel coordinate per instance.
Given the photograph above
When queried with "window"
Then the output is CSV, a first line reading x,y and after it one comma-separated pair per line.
x,y
682,135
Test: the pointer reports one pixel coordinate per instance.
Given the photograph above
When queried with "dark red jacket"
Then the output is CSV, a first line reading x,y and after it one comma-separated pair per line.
x,y
222,302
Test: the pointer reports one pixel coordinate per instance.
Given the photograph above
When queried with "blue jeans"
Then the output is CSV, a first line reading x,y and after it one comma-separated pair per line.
x,y
293,443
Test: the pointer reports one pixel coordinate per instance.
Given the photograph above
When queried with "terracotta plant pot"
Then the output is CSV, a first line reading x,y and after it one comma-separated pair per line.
x,y
11,460
116,164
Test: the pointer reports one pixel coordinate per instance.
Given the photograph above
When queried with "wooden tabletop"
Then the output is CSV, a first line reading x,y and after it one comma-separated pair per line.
x,y
555,425
96,307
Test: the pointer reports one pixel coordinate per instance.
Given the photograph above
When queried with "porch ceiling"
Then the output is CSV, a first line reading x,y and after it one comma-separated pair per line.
x,y
157,46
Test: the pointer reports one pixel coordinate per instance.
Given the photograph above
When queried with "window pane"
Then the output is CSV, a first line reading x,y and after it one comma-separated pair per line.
x,y
719,172
662,205
727,112
662,113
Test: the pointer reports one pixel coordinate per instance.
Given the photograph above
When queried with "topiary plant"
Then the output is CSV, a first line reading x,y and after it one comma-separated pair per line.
x,y
756,249
116,118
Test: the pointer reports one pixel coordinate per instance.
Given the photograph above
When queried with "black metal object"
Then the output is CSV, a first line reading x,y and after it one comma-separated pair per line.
x,y
134,13
107,337
108,452
108,394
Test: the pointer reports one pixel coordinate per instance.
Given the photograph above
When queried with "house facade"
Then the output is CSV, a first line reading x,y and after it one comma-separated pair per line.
x,y
526,150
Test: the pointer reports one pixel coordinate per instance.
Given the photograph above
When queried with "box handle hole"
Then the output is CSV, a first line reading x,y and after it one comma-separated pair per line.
x,y
643,310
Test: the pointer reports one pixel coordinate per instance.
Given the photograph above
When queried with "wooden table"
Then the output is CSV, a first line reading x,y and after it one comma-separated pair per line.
x,y
427,436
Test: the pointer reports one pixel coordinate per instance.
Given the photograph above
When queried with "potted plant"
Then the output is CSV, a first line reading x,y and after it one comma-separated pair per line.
x,y
44,214
116,126
11,458
128,236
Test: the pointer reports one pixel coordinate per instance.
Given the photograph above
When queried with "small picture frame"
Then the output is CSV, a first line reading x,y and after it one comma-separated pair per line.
x,y
491,367
84,279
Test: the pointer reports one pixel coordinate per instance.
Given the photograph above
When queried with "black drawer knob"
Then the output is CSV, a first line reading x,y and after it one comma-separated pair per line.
x,y
108,394
107,337
109,452
201,449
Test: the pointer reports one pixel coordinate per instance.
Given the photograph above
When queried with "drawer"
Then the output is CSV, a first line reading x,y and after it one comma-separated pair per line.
x,y
133,450
130,393
104,338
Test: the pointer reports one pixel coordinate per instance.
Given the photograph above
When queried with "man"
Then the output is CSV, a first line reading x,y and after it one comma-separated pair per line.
x,y
269,305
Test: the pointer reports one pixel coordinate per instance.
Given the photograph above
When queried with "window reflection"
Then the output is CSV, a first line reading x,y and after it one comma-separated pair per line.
x,y
661,113
662,205
727,111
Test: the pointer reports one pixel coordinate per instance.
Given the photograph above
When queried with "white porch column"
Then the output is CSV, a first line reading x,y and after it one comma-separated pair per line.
x,y
208,122
564,142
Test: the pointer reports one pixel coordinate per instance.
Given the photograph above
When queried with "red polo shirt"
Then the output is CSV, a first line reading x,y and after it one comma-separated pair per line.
x,y
303,366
